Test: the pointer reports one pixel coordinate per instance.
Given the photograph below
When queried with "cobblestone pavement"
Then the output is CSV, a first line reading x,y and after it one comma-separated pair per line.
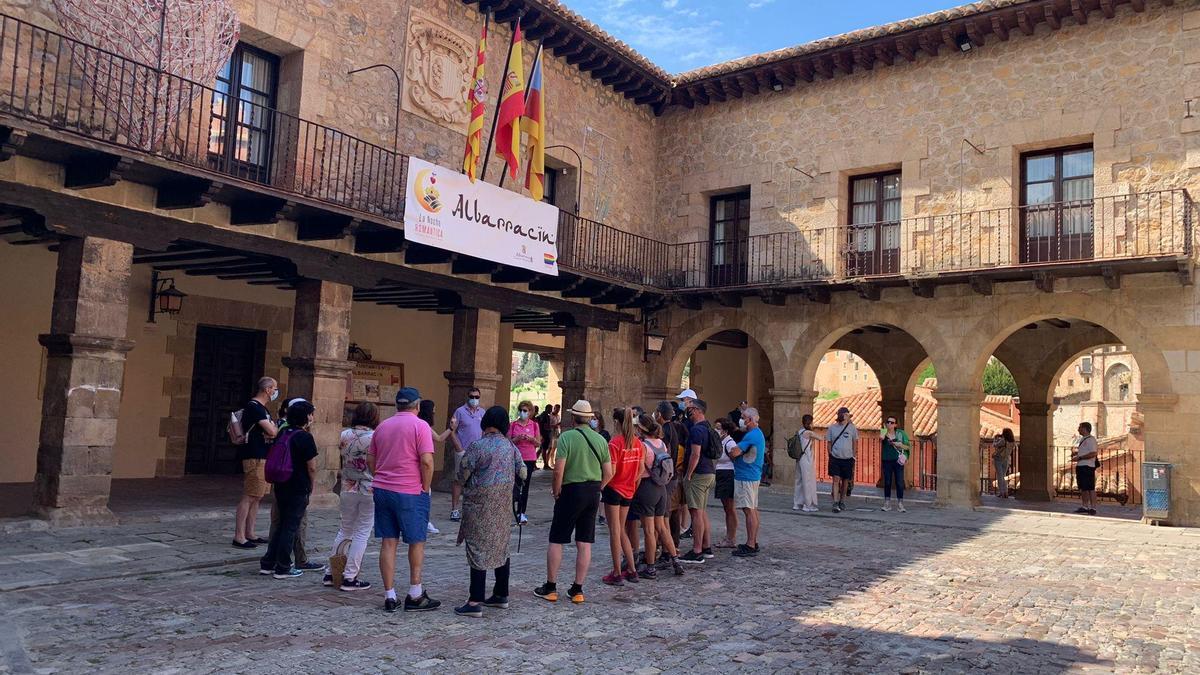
x,y
929,591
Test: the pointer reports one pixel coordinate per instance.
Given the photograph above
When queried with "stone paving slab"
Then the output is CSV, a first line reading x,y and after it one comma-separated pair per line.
x,y
864,591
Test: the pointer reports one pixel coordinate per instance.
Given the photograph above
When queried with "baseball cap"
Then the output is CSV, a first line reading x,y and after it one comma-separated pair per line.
x,y
686,393
407,396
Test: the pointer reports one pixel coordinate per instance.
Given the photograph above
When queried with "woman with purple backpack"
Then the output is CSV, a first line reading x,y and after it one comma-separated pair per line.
x,y
291,467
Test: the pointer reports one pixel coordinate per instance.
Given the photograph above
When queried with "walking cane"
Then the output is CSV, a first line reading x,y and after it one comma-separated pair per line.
x,y
520,525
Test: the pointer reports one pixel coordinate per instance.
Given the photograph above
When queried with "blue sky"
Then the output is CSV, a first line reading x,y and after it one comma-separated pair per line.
x,y
680,35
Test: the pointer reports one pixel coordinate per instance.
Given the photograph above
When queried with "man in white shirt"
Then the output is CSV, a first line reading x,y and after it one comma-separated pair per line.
x,y
1086,458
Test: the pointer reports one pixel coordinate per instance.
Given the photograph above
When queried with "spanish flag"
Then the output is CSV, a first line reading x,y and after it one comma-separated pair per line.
x,y
512,104
534,125
476,100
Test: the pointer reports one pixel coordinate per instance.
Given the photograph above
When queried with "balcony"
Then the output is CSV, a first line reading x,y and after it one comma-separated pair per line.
x,y
102,114
1147,227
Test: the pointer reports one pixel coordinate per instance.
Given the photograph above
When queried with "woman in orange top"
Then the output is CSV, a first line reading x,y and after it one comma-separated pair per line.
x,y
627,453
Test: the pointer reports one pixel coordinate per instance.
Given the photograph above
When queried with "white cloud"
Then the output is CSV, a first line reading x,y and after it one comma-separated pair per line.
x,y
755,4
677,37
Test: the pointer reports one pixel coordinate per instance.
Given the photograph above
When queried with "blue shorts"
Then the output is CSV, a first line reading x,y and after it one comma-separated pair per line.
x,y
401,516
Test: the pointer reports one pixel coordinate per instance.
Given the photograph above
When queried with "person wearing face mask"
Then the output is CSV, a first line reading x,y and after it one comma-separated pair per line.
x,y
260,430
526,435
724,485
469,418
292,492
597,425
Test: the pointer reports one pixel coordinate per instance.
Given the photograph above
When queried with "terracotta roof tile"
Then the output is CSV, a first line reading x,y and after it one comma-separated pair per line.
x,y
894,28
922,411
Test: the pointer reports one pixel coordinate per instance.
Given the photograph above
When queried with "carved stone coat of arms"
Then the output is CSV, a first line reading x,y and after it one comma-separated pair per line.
x,y
437,73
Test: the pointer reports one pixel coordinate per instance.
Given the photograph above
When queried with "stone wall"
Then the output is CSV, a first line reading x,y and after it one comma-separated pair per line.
x,y
1118,84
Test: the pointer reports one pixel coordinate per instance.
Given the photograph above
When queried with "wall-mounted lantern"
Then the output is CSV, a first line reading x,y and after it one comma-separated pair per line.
x,y
164,297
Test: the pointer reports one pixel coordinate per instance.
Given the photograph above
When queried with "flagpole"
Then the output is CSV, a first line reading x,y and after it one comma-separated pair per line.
x,y
536,60
487,156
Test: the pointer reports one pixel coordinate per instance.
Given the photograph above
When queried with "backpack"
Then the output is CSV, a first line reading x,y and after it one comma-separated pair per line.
x,y
237,435
795,447
713,449
279,458
663,468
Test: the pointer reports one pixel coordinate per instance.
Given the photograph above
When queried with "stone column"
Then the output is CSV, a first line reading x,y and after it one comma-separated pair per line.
x,y
1168,433
788,406
1035,451
475,348
317,370
582,358
958,447
473,357
85,365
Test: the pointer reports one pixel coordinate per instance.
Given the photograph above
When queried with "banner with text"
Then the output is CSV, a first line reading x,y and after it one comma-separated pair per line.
x,y
444,209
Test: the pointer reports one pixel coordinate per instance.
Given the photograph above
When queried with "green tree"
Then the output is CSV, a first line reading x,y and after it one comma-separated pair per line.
x,y
927,373
997,379
530,367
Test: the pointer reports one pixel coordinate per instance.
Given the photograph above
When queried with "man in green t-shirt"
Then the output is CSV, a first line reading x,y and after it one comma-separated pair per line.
x,y
582,468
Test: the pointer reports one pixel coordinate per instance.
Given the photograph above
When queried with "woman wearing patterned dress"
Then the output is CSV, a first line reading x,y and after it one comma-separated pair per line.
x,y
487,471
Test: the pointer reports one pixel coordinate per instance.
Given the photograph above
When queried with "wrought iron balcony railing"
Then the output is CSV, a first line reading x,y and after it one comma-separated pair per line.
x,y
50,79
1123,227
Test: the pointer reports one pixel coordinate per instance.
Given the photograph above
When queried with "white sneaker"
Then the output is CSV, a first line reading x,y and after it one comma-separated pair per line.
x,y
900,507
795,508
887,505
522,520
431,529
811,509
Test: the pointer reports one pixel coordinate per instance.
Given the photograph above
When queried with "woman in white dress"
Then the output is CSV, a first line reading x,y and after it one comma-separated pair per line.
x,y
805,496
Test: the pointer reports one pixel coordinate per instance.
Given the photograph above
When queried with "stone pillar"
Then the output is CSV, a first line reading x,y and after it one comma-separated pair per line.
x,y
788,406
85,365
1168,433
896,407
317,370
958,447
582,357
1035,451
473,356
475,348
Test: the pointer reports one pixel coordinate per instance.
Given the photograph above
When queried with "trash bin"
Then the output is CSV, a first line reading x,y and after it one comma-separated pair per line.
x,y
1156,491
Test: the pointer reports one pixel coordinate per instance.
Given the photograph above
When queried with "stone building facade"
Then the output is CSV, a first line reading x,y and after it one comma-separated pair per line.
x,y
1009,178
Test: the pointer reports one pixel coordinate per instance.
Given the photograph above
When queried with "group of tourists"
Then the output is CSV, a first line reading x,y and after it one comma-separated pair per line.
x,y
653,474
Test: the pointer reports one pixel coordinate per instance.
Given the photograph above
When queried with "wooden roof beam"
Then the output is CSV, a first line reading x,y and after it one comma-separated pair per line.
x,y
1052,17
1000,27
682,95
884,54
557,39
652,97
730,86
715,91
844,61
1138,5
1025,22
699,94
1078,12
608,71
748,83
975,34
1106,6
823,66
802,70
929,42
631,83
863,58
905,48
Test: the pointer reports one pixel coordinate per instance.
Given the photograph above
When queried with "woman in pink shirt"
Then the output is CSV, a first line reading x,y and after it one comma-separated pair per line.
x,y
525,433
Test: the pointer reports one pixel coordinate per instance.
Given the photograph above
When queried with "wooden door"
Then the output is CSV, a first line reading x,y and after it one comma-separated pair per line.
x,y
224,372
